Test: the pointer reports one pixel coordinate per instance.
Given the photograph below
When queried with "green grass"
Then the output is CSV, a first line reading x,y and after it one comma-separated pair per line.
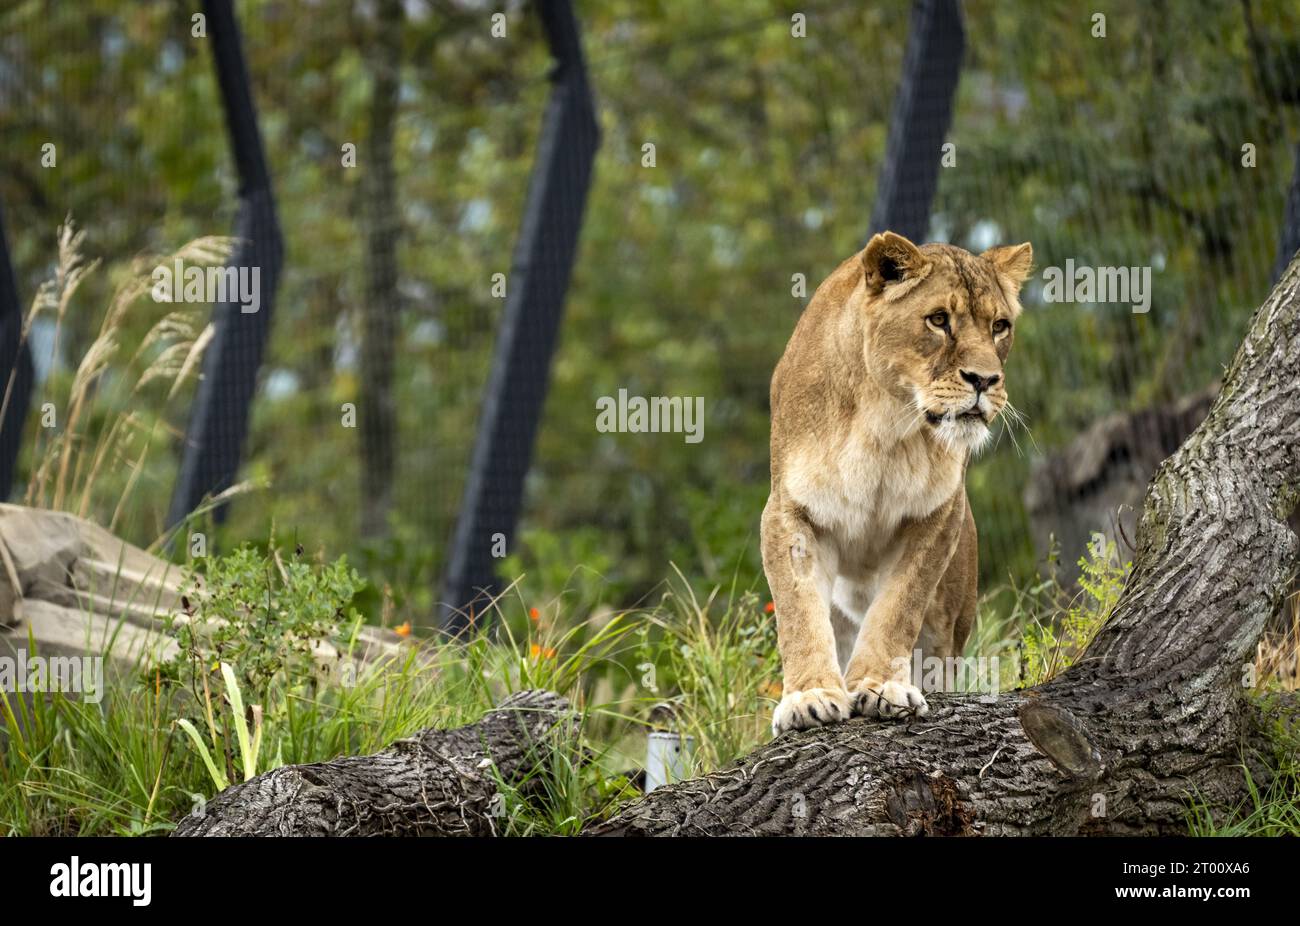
x,y
161,741
164,740
1270,811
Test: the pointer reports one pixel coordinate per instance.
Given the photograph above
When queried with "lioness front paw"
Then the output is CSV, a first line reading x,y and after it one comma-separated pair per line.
x,y
813,707
873,698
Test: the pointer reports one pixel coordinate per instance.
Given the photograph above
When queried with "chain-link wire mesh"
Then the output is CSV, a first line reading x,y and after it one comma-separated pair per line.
x,y
1170,160
741,151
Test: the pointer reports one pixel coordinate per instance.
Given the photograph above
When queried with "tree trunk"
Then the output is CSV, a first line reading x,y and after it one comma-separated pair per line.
x,y
377,418
1154,712
436,783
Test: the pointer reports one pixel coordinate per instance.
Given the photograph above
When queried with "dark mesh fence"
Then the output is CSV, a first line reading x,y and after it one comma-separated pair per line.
x,y
740,153
1171,163
128,148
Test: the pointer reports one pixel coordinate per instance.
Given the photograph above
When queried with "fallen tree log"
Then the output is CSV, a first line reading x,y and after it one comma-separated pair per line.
x,y
1153,715
436,783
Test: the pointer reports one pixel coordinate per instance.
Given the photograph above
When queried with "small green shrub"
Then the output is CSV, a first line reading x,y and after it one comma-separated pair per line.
x,y
1059,623
264,617
250,629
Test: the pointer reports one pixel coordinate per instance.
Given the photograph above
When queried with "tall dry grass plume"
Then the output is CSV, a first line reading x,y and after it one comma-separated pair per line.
x,y
94,430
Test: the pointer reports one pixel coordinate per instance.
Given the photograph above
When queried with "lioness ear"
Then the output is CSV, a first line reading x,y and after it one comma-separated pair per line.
x,y
889,258
1012,262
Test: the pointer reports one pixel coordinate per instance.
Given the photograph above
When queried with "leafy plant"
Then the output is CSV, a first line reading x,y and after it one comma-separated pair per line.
x,y
263,616
254,625
248,747
1053,640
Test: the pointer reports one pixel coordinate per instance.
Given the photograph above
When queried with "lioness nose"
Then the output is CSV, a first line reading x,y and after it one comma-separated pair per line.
x,y
980,383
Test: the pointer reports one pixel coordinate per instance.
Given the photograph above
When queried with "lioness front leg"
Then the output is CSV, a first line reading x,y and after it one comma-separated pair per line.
x,y
799,576
878,676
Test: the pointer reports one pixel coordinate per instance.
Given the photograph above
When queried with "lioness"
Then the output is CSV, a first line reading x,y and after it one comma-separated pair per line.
x,y
889,383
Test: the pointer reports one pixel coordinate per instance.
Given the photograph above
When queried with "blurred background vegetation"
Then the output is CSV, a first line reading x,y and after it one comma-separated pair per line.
x,y
1125,149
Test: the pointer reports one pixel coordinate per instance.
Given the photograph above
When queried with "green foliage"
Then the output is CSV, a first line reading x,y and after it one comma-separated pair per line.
x,y
72,767
719,658
1053,642
253,624
567,788
1117,151
1040,628
574,566
152,751
263,616
249,746
245,694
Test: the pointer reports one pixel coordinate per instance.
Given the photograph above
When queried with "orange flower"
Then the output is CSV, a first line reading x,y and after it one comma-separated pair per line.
x,y
403,629
769,607
542,652
534,614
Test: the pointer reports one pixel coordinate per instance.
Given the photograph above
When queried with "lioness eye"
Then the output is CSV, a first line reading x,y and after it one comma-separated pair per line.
x,y
1001,325
938,319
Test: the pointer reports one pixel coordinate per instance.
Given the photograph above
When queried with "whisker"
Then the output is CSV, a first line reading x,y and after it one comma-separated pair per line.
x,y
1018,418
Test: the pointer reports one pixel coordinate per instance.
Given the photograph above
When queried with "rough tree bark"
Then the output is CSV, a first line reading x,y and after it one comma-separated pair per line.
x,y
1152,714
436,783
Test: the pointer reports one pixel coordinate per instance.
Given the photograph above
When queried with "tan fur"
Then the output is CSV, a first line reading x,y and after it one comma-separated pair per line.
x,y
868,539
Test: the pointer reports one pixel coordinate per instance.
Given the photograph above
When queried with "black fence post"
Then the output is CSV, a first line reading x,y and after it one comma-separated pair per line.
x,y
922,114
16,372
218,422
535,292
1289,235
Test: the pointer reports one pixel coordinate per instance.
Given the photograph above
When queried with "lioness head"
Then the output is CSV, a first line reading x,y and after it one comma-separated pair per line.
x,y
939,325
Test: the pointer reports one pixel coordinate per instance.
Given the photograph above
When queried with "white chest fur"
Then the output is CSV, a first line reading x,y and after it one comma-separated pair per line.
x,y
858,492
